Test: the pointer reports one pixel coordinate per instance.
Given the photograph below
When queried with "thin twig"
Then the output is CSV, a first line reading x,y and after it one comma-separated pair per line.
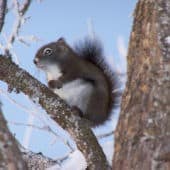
x,y
45,128
26,109
24,7
101,136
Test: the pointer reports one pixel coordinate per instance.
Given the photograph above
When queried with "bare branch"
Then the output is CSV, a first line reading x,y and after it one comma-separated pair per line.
x,y
24,7
10,156
2,13
20,12
59,111
38,160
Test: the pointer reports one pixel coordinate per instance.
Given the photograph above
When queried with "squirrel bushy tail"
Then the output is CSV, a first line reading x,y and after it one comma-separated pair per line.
x,y
91,49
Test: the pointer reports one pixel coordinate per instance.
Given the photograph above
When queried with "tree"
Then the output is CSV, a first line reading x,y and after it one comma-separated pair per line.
x,y
142,134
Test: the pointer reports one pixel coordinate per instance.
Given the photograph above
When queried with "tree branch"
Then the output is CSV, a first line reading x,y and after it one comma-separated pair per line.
x,y
20,12
2,13
59,111
10,155
38,160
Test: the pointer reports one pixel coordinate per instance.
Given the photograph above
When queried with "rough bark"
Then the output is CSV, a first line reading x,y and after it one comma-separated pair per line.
x,y
10,155
79,129
142,137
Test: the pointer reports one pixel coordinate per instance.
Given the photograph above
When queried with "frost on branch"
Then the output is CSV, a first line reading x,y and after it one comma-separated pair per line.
x,y
58,110
75,161
37,161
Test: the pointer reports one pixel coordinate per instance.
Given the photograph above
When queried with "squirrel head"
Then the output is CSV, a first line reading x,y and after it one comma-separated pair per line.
x,y
53,53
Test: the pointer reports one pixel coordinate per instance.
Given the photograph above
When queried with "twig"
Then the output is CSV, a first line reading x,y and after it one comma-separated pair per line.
x,y
25,39
63,158
25,6
26,109
105,135
48,129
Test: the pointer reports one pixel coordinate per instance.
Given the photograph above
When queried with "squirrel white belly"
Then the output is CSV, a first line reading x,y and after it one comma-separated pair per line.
x,y
75,93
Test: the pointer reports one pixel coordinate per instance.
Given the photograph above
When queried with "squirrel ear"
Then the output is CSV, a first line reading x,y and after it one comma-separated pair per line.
x,y
62,44
61,40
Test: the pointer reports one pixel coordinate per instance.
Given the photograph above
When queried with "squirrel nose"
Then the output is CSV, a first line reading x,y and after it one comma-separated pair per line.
x,y
35,61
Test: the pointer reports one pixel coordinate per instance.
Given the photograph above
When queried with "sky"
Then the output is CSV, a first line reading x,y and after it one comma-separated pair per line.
x,y
111,21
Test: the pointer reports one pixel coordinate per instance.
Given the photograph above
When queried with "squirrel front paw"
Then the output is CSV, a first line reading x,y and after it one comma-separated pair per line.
x,y
55,84
80,113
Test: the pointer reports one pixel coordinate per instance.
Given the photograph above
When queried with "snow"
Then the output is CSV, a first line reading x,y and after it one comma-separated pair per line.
x,y
76,161
167,39
150,121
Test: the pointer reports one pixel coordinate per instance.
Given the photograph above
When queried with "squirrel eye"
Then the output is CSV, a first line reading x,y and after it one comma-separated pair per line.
x,y
47,51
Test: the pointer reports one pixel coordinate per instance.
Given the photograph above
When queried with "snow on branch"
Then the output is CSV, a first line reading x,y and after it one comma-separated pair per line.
x,y
38,160
59,111
20,10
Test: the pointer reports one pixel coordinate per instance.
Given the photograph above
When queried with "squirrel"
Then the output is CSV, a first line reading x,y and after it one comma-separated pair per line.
x,y
81,77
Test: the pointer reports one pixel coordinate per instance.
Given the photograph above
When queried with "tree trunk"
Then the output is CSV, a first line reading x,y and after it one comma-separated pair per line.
x,y
142,137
